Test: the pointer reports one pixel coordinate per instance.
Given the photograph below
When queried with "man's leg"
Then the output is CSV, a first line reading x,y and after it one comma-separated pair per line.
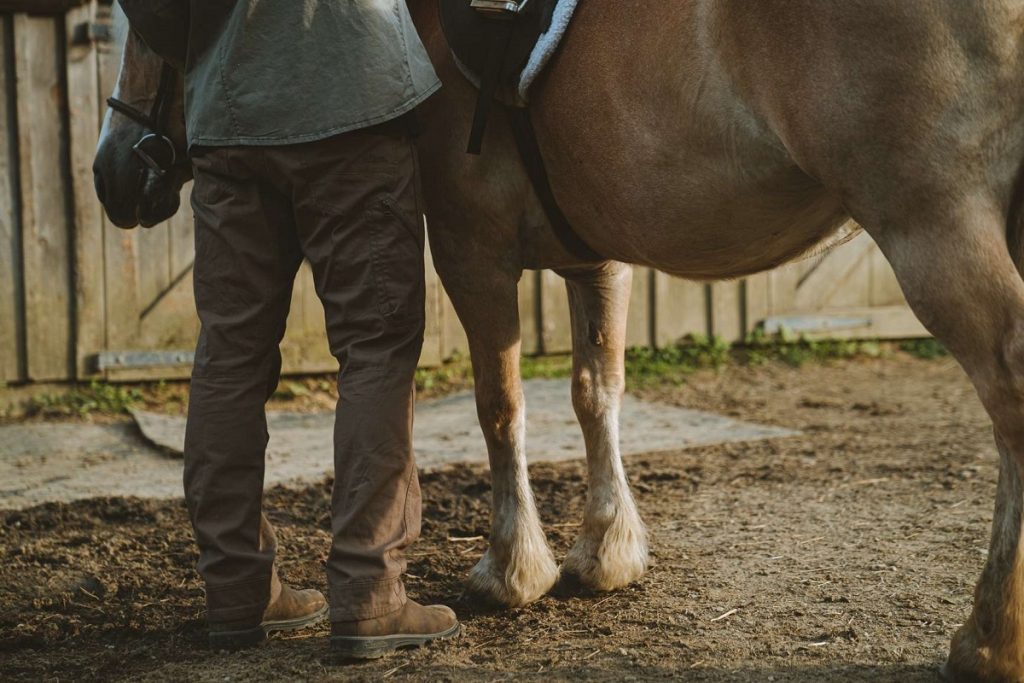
x,y
359,224
246,259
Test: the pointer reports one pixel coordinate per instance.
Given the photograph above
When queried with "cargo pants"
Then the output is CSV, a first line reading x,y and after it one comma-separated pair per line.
x,y
349,205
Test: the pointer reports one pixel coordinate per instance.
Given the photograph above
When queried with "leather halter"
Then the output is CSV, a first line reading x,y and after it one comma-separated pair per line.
x,y
155,149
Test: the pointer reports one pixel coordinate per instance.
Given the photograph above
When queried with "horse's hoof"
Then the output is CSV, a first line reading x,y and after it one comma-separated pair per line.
x,y
513,586
972,661
952,674
616,559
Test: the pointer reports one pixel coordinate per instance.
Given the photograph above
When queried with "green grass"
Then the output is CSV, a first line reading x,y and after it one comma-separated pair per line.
x,y
794,350
546,367
927,349
457,373
85,399
670,365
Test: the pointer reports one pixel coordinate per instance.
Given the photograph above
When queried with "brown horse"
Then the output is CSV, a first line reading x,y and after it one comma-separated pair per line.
x,y
713,139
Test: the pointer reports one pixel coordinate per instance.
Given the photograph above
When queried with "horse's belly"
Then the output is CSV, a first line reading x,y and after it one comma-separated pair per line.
x,y
700,226
731,236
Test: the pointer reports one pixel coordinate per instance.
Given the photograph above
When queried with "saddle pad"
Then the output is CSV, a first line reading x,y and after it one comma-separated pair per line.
x,y
546,45
534,38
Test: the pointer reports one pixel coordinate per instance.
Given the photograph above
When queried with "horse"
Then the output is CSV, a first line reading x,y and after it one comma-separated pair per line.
x,y
714,139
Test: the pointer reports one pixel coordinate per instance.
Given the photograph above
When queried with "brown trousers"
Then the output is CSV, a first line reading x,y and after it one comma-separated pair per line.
x,y
349,205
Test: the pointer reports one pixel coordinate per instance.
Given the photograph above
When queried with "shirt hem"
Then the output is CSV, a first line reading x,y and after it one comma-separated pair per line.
x,y
404,108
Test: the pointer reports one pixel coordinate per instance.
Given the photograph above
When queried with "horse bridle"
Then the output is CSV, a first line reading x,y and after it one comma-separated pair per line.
x,y
156,149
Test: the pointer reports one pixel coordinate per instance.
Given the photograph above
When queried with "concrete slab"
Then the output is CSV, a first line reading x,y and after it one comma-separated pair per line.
x,y
47,462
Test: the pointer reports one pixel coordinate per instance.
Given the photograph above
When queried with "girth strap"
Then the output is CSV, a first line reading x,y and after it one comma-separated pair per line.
x,y
502,36
529,151
498,24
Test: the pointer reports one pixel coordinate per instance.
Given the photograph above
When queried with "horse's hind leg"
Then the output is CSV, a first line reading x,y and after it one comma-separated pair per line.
x,y
611,549
962,283
518,567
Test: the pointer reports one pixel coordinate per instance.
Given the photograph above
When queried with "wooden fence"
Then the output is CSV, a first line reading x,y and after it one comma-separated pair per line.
x,y
80,298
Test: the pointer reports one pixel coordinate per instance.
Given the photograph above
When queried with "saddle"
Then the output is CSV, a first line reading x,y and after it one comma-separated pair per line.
x,y
501,46
494,39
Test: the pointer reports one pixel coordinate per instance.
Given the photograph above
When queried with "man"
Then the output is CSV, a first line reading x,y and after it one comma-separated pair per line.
x,y
296,117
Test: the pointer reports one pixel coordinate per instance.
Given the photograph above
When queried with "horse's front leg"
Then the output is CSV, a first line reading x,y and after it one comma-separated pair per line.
x,y
518,567
611,549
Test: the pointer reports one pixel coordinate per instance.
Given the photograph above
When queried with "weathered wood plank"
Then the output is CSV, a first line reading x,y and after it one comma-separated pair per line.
x,y
529,312
182,237
454,341
556,328
12,347
170,321
39,6
433,334
46,244
726,311
120,273
837,273
866,322
639,319
294,342
757,303
120,284
305,343
85,112
679,309
153,267
86,109
782,284
885,289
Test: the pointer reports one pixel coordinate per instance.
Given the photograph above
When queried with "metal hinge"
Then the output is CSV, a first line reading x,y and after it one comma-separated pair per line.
x,y
814,324
139,360
92,32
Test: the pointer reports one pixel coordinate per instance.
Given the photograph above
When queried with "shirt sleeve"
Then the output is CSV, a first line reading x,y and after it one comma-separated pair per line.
x,y
163,26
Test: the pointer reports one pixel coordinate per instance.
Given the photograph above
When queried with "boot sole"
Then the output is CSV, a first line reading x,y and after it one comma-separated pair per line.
x,y
294,624
375,647
251,637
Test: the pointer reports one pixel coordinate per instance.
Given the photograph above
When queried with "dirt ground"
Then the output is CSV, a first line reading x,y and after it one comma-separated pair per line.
x,y
848,553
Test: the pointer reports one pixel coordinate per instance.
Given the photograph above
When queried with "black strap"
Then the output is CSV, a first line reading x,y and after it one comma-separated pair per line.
x,y
529,151
165,93
155,149
157,118
136,115
502,35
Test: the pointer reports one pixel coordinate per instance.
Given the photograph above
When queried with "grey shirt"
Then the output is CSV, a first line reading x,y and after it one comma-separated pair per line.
x,y
273,72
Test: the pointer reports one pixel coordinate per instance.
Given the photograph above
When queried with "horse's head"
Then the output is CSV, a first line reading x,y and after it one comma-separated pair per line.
x,y
141,163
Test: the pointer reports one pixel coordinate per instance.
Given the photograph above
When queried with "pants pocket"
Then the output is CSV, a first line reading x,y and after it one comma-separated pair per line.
x,y
396,249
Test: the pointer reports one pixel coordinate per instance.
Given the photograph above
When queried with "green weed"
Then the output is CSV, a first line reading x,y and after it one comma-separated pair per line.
x,y
672,364
545,367
457,373
83,400
927,349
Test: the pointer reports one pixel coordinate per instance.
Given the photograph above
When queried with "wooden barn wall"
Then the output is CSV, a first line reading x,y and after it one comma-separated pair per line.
x,y
73,286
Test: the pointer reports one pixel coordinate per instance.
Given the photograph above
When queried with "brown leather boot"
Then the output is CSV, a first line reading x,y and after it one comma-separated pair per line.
x,y
291,611
412,626
288,609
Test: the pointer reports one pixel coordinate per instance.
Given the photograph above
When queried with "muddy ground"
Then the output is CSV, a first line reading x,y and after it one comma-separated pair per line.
x,y
846,554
